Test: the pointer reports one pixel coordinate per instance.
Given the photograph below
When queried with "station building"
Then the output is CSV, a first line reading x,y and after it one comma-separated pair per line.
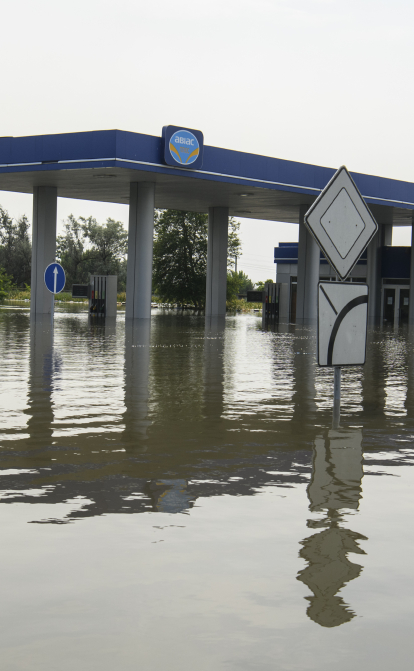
x,y
177,170
394,285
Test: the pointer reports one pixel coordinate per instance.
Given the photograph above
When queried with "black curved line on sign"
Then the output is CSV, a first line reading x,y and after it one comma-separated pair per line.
x,y
359,300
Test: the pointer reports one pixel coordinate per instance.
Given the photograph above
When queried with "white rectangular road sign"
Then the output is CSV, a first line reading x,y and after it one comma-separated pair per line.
x,y
342,323
341,222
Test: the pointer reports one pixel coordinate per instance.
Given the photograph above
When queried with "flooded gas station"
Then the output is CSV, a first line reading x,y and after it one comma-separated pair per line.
x,y
179,490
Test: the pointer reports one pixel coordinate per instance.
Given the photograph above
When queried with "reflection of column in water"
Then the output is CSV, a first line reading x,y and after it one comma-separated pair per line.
x,y
394,347
409,398
214,367
335,486
110,326
45,367
373,380
137,361
304,364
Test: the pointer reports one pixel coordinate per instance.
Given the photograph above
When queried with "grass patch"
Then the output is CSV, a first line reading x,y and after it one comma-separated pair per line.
x,y
239,305
236,305
24,295
66,297
15,294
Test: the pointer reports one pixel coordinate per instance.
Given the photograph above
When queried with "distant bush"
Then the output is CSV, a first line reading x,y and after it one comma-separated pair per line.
x,y
6,285
16,294
239,305
66,296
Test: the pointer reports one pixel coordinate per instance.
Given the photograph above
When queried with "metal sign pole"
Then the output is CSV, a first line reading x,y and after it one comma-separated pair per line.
x,y
52,311
337,397
337,383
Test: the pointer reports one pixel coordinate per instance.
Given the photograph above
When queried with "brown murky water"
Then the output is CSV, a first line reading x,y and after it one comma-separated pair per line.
x,y
176,497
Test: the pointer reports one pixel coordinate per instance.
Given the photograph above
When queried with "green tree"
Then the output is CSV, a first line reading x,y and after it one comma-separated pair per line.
x,y
261,285
245,283
180,255
88,247
233,285
234,243
15,247
108,244
237,283
6,284
70,252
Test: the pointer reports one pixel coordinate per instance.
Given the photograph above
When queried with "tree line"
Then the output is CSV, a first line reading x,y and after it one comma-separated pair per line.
x,y
179,257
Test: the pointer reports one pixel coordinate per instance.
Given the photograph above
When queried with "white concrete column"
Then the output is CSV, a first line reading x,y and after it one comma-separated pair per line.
x,y
140,245
216,286
411,305
308,273
374,276
43,246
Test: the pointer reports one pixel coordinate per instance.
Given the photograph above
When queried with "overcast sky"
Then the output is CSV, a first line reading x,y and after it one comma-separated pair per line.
x,y
326,82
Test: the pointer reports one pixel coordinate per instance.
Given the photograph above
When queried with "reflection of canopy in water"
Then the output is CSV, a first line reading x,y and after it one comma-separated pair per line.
x,y
335,485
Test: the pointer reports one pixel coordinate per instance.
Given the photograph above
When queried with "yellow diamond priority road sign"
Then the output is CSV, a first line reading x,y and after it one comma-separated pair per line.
x,y
341,222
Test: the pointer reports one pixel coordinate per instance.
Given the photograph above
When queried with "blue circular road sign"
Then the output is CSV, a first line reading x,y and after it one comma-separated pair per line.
x,y
55,278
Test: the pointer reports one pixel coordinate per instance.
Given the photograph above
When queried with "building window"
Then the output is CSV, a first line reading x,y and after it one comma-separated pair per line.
x,y
390,280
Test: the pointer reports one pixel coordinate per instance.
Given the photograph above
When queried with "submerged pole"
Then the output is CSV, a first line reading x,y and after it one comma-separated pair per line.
x,y
337,397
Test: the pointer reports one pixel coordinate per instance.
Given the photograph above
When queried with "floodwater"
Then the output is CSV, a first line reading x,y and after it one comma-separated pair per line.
x,y
177,498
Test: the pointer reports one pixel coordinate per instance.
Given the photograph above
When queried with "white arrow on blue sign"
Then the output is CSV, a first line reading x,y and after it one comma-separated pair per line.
x,y
55,278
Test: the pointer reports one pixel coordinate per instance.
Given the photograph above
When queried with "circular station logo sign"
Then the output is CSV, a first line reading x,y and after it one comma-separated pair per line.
x,y
184,147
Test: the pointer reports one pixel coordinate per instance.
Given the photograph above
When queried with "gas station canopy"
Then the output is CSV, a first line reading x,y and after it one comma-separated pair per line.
x,y
100,165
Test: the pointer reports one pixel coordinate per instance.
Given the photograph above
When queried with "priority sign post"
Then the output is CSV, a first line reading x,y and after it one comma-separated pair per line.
x,y
55,279
343,226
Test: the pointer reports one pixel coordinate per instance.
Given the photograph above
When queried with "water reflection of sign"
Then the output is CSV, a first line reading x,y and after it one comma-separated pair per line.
x,y
342,323
183,147
335,487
